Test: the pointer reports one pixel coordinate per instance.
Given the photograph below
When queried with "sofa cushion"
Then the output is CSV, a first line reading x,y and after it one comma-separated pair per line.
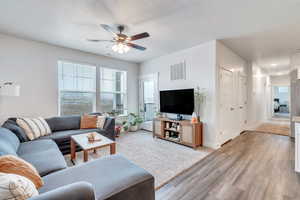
x,y
44,155
88,122
15,165
101,121
16,187
34,127
9,142
110,176
12,125
35,146
64,123
63,136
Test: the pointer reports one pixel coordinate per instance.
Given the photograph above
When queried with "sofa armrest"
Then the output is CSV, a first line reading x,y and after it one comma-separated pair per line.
x,y
75,191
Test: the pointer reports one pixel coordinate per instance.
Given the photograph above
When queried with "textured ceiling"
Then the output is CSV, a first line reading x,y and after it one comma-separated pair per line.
x,y
257,29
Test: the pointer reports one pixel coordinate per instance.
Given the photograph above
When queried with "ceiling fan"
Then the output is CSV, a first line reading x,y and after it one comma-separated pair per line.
x,y
122,42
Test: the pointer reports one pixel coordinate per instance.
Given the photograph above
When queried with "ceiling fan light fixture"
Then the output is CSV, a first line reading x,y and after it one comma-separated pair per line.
x,y
120,48
122,42
126,48
115,47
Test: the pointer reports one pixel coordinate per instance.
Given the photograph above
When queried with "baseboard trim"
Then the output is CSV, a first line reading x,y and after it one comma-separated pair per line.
x,y
226,142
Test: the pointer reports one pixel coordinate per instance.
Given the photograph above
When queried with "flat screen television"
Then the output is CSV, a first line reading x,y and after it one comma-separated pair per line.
x,y
177,101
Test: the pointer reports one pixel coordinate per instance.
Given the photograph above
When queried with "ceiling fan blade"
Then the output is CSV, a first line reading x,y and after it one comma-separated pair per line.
x,y
109,29
95,40
136,46
139,36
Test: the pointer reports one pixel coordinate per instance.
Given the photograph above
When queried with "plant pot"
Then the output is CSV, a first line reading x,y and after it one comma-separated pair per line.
x,y
134,128
124,130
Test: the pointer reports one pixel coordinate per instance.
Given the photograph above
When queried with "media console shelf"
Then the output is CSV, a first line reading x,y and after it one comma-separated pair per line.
x,y
181,132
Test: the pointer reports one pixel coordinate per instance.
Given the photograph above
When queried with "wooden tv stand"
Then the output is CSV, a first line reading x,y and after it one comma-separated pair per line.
x,y
181,132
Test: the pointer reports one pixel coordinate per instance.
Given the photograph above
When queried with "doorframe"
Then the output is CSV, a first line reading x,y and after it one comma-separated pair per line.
x,y
155,78
245,103
272,97
220,137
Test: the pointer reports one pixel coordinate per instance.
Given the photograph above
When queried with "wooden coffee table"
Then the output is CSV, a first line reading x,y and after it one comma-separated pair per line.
x,y
84,143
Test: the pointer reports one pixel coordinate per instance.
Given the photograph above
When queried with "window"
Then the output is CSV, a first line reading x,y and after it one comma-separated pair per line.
x,y
283,89
77,88
113,91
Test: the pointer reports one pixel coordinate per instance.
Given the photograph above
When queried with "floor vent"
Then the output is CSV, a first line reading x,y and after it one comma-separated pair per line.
x,y
178,71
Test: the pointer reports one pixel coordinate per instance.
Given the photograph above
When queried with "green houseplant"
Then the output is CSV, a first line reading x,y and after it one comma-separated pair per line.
x,y
125,126
132,123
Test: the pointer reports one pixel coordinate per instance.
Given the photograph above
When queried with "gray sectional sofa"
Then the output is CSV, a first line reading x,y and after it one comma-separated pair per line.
x,y
62,128
107,178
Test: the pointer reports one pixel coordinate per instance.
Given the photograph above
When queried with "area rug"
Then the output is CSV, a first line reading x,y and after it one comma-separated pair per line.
x,y
163,159
279,129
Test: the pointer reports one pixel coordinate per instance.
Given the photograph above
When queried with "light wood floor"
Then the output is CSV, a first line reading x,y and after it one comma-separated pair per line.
x,y
253,166
275,128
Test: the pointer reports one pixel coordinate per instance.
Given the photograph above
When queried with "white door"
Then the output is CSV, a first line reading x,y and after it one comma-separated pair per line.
x,y
148,99
226,105
242,101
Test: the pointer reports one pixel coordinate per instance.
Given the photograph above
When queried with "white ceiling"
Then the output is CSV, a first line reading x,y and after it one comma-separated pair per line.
x,y
266,31
270,49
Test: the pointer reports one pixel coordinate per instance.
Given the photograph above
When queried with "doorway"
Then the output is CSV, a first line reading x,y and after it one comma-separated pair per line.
x,y
148,100
226,105
281,102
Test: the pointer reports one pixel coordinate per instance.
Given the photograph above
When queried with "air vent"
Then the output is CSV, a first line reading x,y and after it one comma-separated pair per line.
x,y
178,71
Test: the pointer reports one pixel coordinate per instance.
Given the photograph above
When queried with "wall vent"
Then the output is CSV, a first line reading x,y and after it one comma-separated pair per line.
x,y
178,71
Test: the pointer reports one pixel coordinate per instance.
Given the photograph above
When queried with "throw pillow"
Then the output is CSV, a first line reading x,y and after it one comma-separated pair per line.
x,y
16,187
88,122
35,127
15,165
101,121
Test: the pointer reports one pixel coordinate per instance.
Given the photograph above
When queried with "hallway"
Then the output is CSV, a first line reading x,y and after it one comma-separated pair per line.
x,y
275,127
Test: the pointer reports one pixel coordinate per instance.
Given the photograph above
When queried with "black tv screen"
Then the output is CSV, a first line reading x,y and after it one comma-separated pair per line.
x,y
177,101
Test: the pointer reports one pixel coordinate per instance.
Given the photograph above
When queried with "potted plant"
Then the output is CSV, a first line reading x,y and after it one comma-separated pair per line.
x,y
134,122
125,126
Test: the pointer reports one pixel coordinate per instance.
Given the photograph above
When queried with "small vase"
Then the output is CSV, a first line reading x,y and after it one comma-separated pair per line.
x,y
194,119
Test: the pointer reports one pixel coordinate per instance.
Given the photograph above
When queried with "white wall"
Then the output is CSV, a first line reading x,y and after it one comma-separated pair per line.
x,y
203,63
282,80
201,71
229,60
259,96
33,65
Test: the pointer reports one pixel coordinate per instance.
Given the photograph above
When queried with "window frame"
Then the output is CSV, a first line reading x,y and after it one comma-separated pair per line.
x,y
97,92
125,93
59,62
